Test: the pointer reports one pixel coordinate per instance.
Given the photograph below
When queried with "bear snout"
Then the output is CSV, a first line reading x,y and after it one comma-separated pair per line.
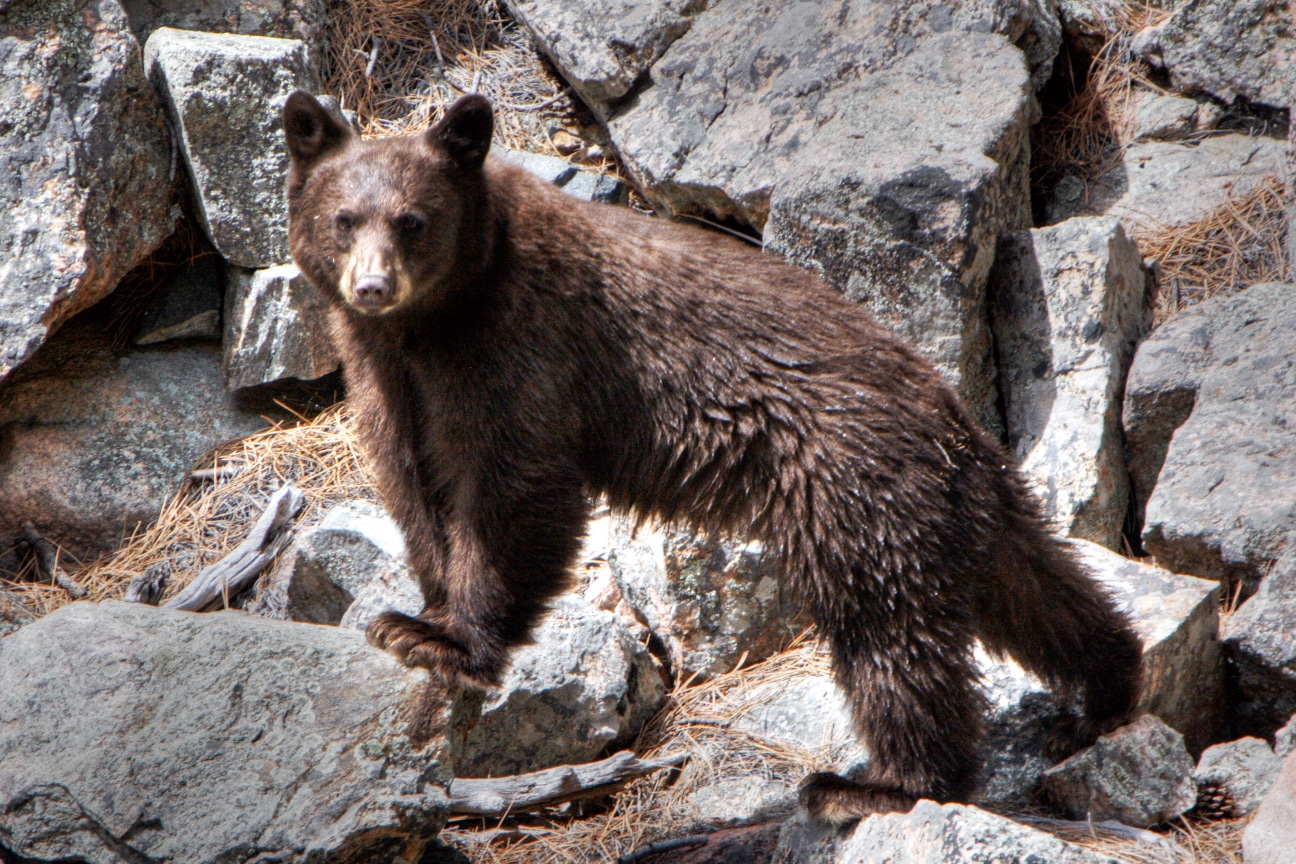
x,y
373,291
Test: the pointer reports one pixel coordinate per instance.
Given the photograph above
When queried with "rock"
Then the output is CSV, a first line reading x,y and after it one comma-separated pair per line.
x,y
306,20
318,578
1271,835
392,589
930,833
130,733
1221,378
711,602
86,161
585,185
581,686
1246,767
806,712
1162,117
1260,639
1244,48
1068,304
755,113
225,95
1166,185
742,801
186,306
13,613
93,440
604,49
276,327
1285,739
1140,774
1176,617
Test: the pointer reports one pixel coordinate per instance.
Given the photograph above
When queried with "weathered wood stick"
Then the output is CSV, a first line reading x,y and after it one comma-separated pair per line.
x,y
215,475
148,587
47,563
236,570
497,796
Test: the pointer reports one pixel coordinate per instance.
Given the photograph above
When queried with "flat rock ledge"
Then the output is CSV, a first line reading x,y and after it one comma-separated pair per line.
x,y
131,733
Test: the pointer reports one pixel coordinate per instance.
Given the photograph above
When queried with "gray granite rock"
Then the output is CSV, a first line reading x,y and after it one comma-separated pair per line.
x,y
93,440
392,589
742,801
584,185
276,327
130,733
1246,767
186,306
583,684
1270,837
318,577
930,833
225,95
710,601
1214,390
1140,774
1068,304
306,20
883,145
1260,639
1163,117
1160,184
13,613
806,712
1285,739
85,158
1242,48
1177,618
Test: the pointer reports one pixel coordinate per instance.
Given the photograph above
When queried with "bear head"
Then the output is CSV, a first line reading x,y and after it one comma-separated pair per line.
x,y
392,224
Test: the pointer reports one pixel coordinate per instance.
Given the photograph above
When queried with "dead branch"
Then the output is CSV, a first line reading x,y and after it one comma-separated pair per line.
x,y
239,568
498,796
662,846
47,563
215,475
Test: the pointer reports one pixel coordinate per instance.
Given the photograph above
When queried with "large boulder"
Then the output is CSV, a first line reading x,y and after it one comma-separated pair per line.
x,y
883,145
1271,835
930,833
225,96
1260,639
1068,305
1242,48
93,439
306,20
130,733
584,684
1210,425
85,158
711,601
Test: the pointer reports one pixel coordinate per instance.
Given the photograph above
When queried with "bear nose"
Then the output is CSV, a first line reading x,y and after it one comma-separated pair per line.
x,y
373,289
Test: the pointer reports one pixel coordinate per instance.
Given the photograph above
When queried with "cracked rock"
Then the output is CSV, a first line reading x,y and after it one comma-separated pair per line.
x,y
276,327
1247,767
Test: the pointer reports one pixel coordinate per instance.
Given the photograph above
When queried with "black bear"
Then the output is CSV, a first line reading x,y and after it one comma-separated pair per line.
x,y
508,350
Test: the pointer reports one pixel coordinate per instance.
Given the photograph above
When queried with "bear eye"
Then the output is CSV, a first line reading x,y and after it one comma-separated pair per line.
x,y
344,223
410,223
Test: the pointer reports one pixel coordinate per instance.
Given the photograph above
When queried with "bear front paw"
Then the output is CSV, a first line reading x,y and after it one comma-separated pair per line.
x,y
411,640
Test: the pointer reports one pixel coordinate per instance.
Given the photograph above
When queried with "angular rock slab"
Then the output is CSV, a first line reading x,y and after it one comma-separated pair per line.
x,y
317,579
130,733
1271,835
1260,639
1246,767
186,306
930,833
225,96
1243,48
1214,390
584,684
881,144
1068,305
94,440
710,601
1140,774
276,327
306,20
85,159
583,185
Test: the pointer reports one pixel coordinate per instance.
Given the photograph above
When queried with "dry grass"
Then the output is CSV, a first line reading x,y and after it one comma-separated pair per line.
x,y
205,520
400,63
1239,245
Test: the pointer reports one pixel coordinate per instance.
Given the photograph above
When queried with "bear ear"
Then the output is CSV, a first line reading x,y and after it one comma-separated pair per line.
x,y
311,130
464,133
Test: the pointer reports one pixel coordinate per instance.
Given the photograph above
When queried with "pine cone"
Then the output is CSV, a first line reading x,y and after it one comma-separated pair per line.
x,y
1214,801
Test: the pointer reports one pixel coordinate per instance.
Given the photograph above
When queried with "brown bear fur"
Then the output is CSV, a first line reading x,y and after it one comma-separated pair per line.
x,y
508,350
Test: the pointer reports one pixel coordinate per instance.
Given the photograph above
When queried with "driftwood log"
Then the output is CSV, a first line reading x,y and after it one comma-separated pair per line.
x,y
236,570
518,793
47,567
